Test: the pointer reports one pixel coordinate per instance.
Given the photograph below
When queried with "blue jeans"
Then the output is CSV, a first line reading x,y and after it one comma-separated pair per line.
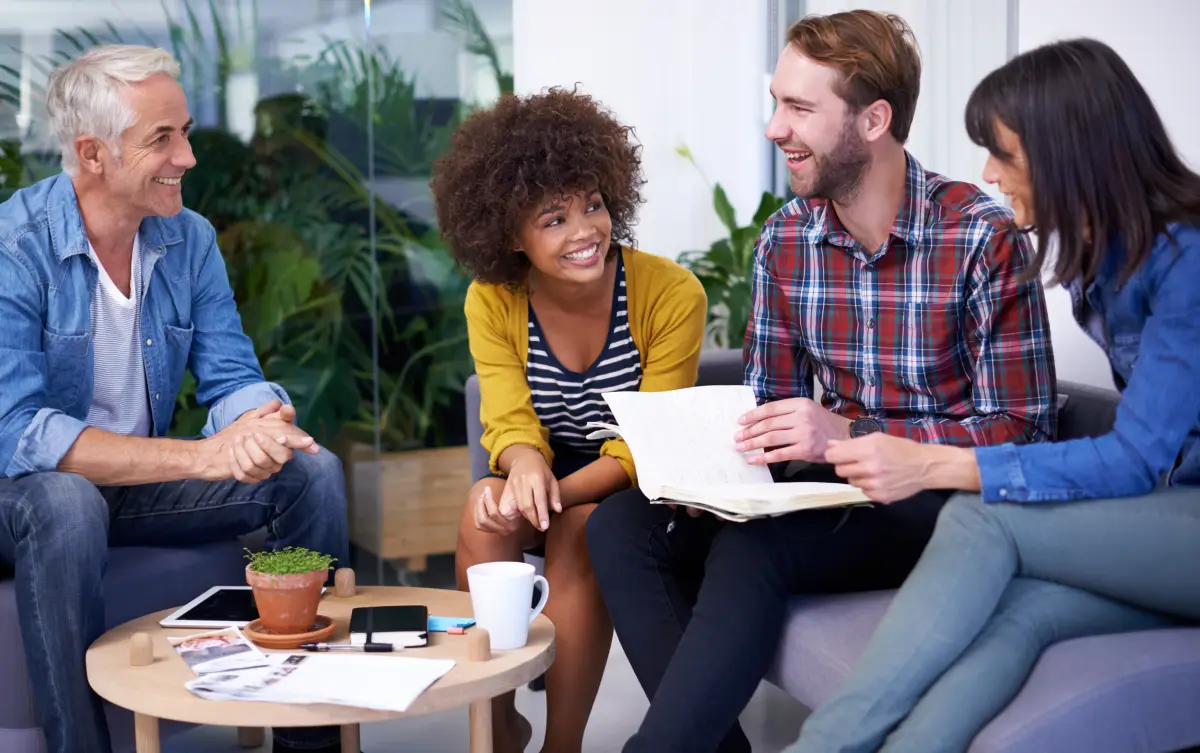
x,y
997,583
56,528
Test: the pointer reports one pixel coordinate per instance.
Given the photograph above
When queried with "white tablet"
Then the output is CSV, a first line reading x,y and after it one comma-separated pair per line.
x,y
218,607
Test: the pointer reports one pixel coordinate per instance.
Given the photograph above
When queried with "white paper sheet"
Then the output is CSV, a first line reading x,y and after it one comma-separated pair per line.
x,y
371,681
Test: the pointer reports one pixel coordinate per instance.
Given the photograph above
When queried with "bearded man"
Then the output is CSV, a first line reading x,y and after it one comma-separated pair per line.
x,y
905,293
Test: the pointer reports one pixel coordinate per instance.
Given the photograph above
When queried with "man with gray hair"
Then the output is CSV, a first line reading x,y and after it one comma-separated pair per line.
x,y
109,290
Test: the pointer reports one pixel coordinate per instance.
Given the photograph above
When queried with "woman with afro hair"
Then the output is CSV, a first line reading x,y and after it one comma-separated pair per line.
x,y
536,198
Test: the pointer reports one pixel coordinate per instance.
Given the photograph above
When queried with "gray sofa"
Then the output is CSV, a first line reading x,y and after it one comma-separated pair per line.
x,y
139,580
1129,693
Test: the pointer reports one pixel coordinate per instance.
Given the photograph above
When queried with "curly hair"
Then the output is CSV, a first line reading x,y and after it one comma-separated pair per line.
x,y
504,162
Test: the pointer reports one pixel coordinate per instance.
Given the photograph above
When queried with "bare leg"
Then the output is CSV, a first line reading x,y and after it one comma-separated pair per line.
x,y
510,730
583,631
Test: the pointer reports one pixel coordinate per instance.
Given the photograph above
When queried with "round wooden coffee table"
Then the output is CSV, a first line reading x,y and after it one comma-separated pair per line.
x,y
155,689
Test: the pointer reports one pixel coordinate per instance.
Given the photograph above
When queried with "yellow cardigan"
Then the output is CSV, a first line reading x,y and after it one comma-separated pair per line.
x,y
667,313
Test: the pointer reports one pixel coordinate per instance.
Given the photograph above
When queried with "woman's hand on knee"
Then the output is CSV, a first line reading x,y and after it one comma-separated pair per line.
x,y
487,515
531,492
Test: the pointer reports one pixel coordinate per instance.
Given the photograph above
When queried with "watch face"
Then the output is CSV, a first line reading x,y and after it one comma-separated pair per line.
x,y
864,426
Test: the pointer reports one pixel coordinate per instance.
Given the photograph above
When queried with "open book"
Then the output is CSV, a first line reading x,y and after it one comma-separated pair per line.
x,y
682,443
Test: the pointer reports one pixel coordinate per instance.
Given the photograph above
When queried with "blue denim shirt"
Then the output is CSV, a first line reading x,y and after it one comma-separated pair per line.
x,y
189,320
1150,329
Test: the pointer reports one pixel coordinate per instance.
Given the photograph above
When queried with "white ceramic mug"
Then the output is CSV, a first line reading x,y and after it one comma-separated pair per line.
x,y
500,595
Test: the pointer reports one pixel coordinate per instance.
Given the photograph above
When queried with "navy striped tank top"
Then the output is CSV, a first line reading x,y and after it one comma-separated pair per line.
x,y
565,401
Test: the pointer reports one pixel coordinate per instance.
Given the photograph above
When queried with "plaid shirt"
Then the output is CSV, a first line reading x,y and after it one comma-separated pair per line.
x,y
934,334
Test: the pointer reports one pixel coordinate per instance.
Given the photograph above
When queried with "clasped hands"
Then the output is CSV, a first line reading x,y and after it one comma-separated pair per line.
x,y
255,446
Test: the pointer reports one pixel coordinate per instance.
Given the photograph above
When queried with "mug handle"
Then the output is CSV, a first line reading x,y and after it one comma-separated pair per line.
x,y
542,601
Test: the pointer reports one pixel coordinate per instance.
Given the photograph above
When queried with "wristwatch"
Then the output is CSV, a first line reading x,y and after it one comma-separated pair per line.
x,y
861,427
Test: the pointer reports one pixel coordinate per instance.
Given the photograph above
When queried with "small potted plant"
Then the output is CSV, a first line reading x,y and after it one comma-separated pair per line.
x,y
287,587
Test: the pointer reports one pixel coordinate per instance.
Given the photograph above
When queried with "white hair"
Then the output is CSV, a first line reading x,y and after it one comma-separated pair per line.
x,y
85,98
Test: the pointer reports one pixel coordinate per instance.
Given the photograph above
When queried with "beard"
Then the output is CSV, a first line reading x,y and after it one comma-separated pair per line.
x,y
838,172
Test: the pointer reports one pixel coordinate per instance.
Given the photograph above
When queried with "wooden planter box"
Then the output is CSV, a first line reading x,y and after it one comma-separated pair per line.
x,y
407,505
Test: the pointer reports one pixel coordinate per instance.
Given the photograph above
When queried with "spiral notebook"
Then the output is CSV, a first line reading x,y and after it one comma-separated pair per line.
x,y
682,444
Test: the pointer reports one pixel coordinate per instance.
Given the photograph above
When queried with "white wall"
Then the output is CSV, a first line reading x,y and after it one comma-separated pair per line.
x,y
1157,39
678,77
698,78
681,77
960,42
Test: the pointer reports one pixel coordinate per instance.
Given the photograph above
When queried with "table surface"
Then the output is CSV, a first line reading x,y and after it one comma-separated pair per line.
x,y
158,690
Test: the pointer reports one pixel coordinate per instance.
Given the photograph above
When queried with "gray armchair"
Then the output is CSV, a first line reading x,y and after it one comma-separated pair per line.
x,y
180,575
1135,692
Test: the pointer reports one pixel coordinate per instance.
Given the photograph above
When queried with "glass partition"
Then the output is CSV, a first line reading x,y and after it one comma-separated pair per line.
x,y
316,125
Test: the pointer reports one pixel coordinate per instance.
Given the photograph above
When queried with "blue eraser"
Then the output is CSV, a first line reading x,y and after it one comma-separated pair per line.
x,y
441,624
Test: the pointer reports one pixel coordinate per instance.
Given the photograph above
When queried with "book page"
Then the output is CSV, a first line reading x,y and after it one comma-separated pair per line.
x,y
685,437
775,499
783,491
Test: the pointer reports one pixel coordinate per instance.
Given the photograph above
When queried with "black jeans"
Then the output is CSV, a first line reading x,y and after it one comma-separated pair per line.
x,y
699,604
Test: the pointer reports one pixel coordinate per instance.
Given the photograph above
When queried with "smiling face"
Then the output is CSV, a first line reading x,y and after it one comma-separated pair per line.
x,y
567,238
826,154
1009,172
154,153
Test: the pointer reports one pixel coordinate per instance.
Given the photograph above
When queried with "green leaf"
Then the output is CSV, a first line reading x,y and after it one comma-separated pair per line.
x,y
724,208
721,254
743,241
222,42
290,559
767,206
71,40
460,16
45,65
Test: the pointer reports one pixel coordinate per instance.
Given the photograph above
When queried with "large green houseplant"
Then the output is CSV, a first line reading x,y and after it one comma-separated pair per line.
x,y
352,302
725,267
328,278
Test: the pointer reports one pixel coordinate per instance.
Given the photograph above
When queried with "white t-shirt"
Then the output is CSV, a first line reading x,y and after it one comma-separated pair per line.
x,y
119,400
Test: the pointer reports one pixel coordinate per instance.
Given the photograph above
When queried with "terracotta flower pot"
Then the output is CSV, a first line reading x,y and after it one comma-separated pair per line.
x,y
287,604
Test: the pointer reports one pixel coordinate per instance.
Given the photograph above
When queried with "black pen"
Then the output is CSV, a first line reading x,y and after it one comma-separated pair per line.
x,y
368,647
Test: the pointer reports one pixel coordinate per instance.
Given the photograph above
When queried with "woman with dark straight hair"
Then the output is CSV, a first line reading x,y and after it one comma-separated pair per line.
x,y
1080,537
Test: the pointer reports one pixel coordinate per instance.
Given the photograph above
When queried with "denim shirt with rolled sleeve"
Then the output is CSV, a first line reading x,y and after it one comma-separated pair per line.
x,y
47,278
1149,327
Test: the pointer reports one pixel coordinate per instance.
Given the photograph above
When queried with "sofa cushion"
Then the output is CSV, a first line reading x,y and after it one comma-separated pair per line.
x,y
822,640
139,580
167,576
1106,694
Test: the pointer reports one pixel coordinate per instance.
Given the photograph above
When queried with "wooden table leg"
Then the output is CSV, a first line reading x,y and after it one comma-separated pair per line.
x,y
350,741
145,734
251,737
479,648
481,727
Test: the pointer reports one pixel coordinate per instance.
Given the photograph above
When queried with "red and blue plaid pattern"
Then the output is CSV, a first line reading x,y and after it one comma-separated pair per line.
x,y
936,334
